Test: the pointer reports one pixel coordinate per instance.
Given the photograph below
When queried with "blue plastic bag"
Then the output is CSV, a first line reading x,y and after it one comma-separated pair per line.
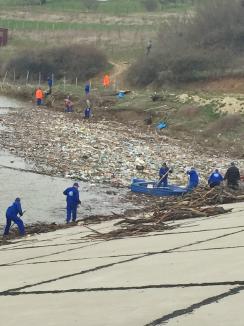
x,y
121,94
161,125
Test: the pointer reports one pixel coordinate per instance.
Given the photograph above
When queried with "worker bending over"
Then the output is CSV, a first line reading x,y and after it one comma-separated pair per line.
x,y
193,178
68,105
215,179
12,216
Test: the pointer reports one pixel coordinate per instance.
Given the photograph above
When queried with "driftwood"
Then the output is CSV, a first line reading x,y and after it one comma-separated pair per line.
x,y
200,203
139,226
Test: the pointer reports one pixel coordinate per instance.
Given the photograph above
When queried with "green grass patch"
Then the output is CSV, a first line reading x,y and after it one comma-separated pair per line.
x,y
30,25
209,112
115,7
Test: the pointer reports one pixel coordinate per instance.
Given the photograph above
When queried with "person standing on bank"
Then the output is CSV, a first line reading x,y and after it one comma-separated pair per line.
x,y
73,200
39,96
87,113
106,81
50,83
232,176
149,47
87,88
12,216
163,175
193,178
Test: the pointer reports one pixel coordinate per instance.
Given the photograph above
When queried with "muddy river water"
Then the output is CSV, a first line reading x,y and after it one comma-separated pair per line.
x,y
41,195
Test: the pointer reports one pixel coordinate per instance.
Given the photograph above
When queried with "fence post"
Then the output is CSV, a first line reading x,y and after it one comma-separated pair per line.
x,y
39,82
53,78
14,76
64,83
27,77
5,76
76,82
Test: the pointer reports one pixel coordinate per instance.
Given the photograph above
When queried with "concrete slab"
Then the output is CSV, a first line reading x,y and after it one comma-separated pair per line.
x,y
186,276
228,311
99,308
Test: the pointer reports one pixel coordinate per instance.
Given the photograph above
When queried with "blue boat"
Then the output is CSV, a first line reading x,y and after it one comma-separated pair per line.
x,y
151,188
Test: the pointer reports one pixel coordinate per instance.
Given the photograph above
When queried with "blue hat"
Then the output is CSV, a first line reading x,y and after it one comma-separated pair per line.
x,y
76,185
17,199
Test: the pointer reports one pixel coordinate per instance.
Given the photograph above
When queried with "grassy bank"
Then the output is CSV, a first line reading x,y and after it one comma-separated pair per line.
x,y
114,7
28,25
199,119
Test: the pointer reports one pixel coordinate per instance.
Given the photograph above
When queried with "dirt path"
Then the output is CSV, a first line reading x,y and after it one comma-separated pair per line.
x,y
118,74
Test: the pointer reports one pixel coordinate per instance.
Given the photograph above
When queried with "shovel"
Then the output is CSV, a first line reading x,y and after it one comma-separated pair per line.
x,y
169,171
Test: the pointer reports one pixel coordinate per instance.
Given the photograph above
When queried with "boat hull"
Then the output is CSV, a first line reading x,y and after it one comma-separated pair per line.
x,y
151,188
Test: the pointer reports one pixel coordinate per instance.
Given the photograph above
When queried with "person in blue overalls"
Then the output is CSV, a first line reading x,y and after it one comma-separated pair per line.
x,y
87,113
12,216
87,88
215,179
73,200
163,175
50,83
193,178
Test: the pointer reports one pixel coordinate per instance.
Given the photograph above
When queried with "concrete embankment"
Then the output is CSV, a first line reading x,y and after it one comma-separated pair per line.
x,y
185,276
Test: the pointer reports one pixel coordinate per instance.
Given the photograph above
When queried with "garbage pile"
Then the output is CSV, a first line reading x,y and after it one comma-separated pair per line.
x,y
102,152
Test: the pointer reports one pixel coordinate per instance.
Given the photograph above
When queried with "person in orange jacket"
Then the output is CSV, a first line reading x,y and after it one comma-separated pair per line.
x,y
39,96
106,81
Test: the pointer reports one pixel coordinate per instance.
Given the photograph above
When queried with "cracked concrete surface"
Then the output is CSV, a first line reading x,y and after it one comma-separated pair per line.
x,y
187,276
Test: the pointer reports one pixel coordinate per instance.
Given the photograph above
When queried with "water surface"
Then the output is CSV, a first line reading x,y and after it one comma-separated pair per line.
x,y
41,195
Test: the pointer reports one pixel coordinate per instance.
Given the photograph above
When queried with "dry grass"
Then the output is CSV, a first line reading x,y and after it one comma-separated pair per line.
x,y
203,46
188,111
226,124
118,44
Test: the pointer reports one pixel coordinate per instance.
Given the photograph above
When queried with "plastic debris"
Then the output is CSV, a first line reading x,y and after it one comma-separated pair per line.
x,y
103,151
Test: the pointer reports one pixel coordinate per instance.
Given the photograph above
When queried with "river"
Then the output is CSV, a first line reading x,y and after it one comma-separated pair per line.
x,y
41,195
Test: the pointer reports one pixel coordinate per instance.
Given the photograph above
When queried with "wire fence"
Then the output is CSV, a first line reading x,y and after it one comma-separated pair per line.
x,y
64,84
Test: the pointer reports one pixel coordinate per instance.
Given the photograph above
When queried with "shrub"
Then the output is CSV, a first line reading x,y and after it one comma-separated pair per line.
x,y
34,2
90,4
208,44
71,61
143,72
150,5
